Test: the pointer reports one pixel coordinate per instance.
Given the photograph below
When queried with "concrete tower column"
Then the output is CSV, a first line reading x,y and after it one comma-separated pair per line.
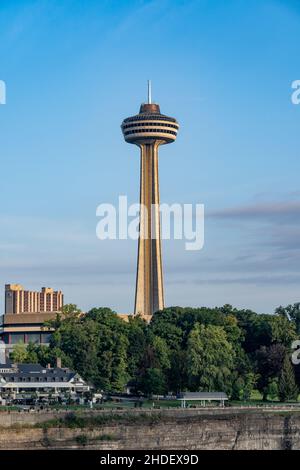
x,y
149,295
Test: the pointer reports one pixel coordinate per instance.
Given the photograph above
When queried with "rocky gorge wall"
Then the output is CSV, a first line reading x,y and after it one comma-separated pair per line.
x,y
155,429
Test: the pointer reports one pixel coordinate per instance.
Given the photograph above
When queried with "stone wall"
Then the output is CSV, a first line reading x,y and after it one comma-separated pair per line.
x,y
171,429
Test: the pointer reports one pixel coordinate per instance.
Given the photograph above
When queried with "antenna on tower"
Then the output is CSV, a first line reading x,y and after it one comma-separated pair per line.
x,y
149,92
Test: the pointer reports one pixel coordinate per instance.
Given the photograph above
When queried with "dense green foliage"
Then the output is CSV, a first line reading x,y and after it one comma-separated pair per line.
x,y
197,349
287,387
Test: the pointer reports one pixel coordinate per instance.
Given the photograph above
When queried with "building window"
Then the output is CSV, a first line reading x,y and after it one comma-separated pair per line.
x,y
33,338
16,338
45,338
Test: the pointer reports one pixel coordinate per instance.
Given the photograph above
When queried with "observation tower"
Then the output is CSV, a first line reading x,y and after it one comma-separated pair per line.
x,y
148,130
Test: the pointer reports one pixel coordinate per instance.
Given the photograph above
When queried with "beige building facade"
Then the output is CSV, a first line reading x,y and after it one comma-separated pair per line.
x,y
18,300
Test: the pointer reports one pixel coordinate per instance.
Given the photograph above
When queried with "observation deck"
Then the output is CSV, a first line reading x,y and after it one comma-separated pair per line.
x,y
149,126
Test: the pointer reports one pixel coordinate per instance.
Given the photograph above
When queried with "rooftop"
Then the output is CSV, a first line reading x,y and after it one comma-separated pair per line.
x,y
24,318
28,372
203,396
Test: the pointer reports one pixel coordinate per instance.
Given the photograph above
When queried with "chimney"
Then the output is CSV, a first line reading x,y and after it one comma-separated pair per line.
x,y
58,362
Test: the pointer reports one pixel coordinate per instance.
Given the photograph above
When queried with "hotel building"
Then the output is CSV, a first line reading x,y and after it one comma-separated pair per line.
x,y
18,300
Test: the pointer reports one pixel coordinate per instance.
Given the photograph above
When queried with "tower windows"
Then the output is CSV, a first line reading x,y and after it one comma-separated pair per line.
x,y
159,131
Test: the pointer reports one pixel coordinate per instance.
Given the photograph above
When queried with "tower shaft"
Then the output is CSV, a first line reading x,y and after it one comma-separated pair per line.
x,y
149,296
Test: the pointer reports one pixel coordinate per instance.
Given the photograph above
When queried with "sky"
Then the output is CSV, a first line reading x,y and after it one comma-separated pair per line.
x,y
224,68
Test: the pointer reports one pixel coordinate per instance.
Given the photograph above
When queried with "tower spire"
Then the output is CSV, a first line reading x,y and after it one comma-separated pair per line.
x,y
149,92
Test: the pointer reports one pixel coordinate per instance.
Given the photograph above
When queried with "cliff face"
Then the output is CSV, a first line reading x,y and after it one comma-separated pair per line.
x,y
175,430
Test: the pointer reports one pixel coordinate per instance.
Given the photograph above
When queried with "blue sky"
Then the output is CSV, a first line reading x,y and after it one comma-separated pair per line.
x,y
224,69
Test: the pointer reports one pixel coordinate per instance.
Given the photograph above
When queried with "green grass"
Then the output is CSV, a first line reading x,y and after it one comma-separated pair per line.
x,y
9,408
256,400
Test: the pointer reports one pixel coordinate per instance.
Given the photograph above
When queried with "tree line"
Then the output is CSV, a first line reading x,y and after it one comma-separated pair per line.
x,y
194,349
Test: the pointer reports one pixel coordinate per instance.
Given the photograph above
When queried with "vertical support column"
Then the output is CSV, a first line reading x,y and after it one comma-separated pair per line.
x,y
149,282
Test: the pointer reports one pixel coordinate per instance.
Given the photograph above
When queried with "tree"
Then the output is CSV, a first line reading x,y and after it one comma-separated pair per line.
x,y
237,389
68,312
243,386
287,388
177,374
154,362
210,359
166,325
250,381
272,389
292,313
161,352
137,340
282,330
154,382
257,330
268,364
31,354
95,345
19,353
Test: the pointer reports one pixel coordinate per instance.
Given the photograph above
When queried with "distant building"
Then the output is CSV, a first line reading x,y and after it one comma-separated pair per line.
x,y
25,328
25,314
18,300
19,381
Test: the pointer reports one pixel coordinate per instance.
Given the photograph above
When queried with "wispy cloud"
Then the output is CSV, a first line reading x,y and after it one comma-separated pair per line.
x,y
270,211
270,279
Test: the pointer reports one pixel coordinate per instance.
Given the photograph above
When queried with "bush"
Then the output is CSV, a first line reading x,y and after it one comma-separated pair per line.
x,y
82,440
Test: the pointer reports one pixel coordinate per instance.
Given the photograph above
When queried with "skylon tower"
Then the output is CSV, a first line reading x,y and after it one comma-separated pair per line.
x,y
148,130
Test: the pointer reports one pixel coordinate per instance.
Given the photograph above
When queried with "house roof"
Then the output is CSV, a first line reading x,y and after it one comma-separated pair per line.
x,y
35,372
203,396
27,318
7,365
30,368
